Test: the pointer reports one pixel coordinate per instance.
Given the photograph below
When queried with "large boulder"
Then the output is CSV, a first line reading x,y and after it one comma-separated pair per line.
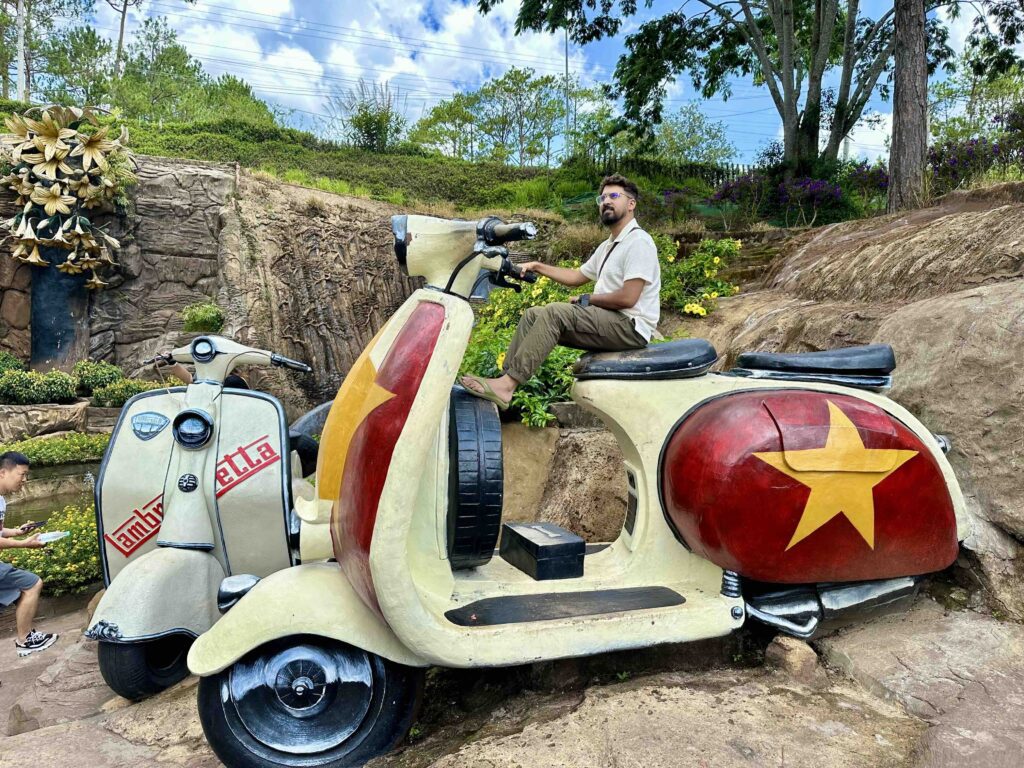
x,y
18,422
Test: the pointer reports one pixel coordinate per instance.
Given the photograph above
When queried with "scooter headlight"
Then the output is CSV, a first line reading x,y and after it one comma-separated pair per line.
x,y
192,429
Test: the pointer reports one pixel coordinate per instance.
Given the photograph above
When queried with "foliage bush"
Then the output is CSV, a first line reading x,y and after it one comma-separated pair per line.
x,y
9,362
74,448
95,375
691,284
70,565
18,387
869,183
120,392
203,317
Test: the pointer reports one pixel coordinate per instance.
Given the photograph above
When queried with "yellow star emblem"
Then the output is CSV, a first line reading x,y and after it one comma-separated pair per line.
x,y
841,477
358,397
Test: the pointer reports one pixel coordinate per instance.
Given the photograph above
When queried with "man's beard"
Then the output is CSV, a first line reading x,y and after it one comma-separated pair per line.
x,y
609,216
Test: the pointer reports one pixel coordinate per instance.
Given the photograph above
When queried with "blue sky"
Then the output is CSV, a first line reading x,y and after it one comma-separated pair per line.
x,y
295,53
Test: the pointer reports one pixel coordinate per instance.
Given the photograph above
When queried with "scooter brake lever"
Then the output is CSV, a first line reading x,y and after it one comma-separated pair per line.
x,y
498,279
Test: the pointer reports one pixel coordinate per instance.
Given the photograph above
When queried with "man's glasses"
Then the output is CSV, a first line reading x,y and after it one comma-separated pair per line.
x,y
611,196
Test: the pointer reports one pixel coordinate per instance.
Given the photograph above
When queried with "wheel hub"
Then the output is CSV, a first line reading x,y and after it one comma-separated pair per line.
x,y
303,699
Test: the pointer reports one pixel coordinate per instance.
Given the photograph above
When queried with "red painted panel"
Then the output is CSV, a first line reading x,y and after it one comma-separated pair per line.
x,y
743,513
374,441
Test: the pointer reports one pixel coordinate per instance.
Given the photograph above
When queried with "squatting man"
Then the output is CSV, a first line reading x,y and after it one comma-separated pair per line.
x,y
620,314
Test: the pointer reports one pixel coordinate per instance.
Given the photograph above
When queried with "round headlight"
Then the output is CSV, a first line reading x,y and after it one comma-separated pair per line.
x,y
193,429
203,350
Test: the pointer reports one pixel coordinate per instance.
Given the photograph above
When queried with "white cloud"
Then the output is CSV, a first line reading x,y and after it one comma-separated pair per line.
x,y
871,140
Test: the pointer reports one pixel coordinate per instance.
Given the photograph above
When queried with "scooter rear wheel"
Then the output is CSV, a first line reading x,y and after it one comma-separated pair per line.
x,y
308,701
138,670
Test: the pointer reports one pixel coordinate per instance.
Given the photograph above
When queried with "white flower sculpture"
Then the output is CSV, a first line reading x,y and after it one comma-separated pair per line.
x,y
61,165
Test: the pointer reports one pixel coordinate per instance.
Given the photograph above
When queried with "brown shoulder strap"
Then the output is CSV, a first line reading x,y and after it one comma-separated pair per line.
x,y
608,255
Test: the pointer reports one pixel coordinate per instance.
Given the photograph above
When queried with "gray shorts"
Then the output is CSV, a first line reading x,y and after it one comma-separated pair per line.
x,y
13,581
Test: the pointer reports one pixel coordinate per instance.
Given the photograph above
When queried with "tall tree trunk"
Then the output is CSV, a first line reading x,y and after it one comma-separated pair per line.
x,y
910,108
120,40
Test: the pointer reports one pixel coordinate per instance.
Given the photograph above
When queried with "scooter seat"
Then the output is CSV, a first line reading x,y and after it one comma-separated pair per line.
x,y
683,359
867,360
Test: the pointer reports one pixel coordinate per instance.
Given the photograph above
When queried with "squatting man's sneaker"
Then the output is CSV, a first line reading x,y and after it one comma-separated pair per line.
x,y
35,641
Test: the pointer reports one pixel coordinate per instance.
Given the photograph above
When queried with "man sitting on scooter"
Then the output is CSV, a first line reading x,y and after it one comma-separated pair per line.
x,y
622,312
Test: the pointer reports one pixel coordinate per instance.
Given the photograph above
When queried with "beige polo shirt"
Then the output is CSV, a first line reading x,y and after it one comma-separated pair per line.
x,y
635,256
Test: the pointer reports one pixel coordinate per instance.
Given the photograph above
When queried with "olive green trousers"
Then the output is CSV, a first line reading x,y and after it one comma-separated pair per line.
x,y
541,329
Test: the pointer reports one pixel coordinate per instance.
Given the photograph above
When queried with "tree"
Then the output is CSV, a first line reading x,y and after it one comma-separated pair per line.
x,y
44,19
520,116
688,136
78,68
371,116
910,108
122,6
789,46
160,81
997,26
450,127
967,105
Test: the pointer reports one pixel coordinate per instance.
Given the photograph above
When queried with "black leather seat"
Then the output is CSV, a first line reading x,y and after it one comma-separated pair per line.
x,y
868,360
682,359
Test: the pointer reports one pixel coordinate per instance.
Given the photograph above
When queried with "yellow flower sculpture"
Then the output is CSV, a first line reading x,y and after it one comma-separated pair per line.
x,y
63,168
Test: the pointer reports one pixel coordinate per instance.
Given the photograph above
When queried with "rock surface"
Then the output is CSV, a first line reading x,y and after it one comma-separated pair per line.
x,y
20,421
959,672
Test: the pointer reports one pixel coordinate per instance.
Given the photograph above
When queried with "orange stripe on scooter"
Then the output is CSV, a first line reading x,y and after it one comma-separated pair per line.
x,y
373,444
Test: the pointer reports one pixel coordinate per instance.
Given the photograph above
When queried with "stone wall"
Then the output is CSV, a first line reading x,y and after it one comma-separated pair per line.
x,y
304,273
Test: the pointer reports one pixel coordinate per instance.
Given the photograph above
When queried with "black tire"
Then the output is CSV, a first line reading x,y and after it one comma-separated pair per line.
x,y
138,670
254,714
475,480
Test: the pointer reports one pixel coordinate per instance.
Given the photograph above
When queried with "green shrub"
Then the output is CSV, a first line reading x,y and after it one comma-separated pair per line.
x,y
31,388
70,565
94,375
203,317
9,362
74,448
691,284
120,392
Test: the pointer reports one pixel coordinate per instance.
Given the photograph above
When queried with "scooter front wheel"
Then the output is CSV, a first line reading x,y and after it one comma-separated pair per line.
x,y
308,701
138,670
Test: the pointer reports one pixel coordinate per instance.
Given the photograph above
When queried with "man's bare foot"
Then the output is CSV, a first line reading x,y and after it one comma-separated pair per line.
x,y
504,386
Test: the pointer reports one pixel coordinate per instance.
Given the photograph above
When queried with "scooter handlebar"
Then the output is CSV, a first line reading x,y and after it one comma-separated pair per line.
x,y
496,233
522,274
287,362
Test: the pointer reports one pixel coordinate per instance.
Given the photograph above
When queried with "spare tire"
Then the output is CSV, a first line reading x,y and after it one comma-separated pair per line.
x,y
475,480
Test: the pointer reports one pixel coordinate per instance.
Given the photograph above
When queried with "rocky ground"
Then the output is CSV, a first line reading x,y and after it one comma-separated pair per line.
x,y
927,687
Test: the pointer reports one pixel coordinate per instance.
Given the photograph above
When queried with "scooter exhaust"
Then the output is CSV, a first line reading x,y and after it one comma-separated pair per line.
x,y
801,611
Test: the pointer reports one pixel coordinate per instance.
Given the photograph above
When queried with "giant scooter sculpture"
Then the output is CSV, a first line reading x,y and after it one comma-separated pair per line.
x,y
197,484
789,490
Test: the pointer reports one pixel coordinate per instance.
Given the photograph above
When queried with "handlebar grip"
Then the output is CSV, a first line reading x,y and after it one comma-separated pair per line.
x,y
287,362
493,232
522,274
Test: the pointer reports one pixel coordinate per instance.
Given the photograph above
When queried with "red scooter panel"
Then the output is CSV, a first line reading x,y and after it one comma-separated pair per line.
x,y
376,404
795,486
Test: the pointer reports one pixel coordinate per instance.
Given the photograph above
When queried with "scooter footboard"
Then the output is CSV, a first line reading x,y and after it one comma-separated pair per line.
x,y
162,592
314,599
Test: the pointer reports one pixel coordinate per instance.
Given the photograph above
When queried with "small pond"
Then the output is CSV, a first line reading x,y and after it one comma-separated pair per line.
x,y
41,509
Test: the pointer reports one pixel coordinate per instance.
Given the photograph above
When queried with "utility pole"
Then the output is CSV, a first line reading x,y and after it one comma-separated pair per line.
x,y
22,81
565,150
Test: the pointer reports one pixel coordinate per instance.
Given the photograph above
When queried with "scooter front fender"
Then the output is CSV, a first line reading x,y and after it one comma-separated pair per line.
x,y
165,591
314,599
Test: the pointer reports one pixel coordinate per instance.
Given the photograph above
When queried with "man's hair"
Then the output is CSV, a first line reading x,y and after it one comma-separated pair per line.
x,y
12,459
618,180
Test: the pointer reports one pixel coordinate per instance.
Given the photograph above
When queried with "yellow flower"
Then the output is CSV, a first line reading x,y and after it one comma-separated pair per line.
x,y
500,361
671,259
707,273
714,294
717,260
50,135
93,149
53,199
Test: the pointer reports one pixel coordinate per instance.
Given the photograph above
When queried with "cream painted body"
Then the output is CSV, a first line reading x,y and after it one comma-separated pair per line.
x,y
414,582
166,549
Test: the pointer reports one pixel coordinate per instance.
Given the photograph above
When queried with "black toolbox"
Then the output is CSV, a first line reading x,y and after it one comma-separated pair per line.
x,y
542,550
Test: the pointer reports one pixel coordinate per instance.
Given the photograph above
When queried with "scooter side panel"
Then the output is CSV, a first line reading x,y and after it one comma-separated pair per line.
x,y
129,491
793,486
375,402
253,482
